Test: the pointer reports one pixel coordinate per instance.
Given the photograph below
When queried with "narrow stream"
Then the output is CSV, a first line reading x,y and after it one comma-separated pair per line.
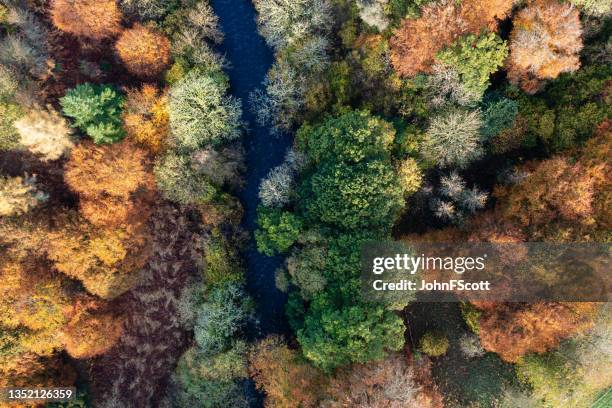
x,y
249,59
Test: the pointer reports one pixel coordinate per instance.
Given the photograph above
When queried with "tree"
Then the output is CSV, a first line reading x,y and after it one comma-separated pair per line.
x,y
200,112
453,138
352,137
9,137
113,182
363,195
283,22
106,261
594,7
286,380
277,230
92,330
475,58
358,332
276,189
44,132
87,18
147,9
178,181
410,176
144,52
545,42
146,118
96,110
18,196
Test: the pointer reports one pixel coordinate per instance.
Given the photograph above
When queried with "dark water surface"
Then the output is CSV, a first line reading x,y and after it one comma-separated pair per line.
x,y
250,59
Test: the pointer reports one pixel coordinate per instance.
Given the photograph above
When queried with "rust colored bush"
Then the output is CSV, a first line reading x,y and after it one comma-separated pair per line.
x,y
145,117
144,52
113,182
545,41
95,19
416,42
515,329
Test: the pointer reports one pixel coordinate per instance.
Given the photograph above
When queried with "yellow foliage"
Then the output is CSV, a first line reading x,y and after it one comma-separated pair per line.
x,y
146,118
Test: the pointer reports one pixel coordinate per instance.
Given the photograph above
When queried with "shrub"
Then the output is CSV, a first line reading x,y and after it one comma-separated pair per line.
x,y
434,344
470,346
95,19
178,181
201,114
18,196
96,110
144,52
277,230
545,42
475,59
44,132
146,118
453,138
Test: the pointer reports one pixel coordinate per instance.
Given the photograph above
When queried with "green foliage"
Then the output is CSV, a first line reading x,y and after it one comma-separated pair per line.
x,y
332,337
221,261
352,137
567,112
475,59
178,181
498,115
277,231
200,112
434,344
351,196
95,110
471,315
9,137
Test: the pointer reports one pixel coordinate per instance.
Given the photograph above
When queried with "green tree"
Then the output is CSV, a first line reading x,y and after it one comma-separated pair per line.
x,y
95,110
278,230
363,195
178,181
475,58
434,344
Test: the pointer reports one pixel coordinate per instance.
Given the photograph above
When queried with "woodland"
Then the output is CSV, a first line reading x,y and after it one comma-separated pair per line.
x,y
122,238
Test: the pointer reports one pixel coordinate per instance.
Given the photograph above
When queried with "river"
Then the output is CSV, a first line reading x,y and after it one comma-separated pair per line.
x,y
250,58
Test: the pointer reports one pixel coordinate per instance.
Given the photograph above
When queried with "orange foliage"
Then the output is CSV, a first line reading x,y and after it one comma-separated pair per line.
x,y
515,329
114,183
545,41
416,42
106,261
92,330
146,117
96,19
286,381
144,52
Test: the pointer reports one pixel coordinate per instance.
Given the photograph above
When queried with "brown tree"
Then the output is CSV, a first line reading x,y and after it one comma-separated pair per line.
x,y
416,42
114,183
95,19
286,381
145,117
545,41
144,52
